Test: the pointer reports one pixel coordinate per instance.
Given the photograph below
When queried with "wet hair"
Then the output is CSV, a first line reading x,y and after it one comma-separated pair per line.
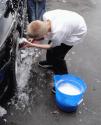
x,y
37,29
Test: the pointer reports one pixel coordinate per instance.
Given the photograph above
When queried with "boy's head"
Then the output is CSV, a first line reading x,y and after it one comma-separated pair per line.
x,y
37,29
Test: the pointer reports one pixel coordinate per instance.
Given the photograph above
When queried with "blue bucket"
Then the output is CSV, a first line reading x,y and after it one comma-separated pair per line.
x,y
69,101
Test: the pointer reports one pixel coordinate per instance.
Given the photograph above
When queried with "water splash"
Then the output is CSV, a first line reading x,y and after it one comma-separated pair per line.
x,y
2,111
23,90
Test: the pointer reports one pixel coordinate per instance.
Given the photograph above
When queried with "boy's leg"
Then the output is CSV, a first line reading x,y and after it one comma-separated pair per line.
x,y
60,67
55,56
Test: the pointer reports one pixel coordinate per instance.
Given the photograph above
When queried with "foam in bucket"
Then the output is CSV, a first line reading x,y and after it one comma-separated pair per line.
x,y
69,89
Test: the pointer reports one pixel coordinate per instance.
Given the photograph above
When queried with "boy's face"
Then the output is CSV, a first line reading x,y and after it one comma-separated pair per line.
x,y
31,37
36,37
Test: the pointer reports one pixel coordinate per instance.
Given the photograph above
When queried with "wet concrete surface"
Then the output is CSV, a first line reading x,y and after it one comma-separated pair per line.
x,y
34,104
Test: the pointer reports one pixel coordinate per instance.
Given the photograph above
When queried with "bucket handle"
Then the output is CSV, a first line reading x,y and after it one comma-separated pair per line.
x,y
80,102
56,83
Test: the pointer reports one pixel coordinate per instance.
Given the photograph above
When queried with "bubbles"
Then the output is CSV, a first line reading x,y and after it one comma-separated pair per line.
x,y
2,111
69,89
21,101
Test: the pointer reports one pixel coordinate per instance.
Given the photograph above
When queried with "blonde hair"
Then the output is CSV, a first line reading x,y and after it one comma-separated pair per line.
x,y
37,29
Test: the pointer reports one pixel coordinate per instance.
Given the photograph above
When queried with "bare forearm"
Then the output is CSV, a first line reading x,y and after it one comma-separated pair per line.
x,y
43,46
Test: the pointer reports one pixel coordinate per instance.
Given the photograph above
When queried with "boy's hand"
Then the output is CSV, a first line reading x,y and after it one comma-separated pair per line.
x,y
22,42
35,41
30,42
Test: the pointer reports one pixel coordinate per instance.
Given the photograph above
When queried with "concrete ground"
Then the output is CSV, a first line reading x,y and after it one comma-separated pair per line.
x,y
83,61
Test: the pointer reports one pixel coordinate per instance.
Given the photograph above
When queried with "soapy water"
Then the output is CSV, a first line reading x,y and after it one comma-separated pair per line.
x,y
69,89
21,100
2,111
23,90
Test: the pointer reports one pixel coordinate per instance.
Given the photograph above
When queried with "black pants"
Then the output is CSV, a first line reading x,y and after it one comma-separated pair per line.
x,y
55,56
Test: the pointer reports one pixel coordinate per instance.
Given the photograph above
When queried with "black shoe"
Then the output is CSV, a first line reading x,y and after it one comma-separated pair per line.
x,y
53,90
44,64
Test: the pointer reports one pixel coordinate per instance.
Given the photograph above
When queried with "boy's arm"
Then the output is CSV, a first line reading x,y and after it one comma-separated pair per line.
x,y
43,46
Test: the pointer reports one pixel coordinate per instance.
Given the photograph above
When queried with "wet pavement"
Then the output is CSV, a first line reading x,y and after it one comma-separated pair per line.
x,y
34,103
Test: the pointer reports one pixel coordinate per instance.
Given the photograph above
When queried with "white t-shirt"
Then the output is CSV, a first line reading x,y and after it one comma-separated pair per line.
x,y
66,27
